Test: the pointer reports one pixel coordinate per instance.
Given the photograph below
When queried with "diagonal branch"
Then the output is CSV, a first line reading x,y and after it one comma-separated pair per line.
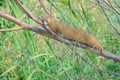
x,y
34,19
44,8
111,5
27,13
108,19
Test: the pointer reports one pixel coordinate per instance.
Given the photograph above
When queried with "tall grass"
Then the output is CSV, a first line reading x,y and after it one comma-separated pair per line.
x,y
25,55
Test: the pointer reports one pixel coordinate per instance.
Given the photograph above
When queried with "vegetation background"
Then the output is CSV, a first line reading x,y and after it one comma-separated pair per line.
x,y
25,55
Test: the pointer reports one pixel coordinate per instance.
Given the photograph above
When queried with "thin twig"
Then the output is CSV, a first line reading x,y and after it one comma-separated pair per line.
x,y
116,4
108,18
113,7
12,29
44,8
27,13
33,18
95,67
92,65
109,21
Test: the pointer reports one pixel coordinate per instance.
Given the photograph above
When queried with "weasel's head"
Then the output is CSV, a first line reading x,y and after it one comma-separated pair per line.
x,y
48,19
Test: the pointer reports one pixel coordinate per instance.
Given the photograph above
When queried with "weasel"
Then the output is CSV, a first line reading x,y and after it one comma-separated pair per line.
x,y
72,33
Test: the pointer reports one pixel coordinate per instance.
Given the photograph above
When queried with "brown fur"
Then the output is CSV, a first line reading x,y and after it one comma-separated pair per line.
x,y
71,32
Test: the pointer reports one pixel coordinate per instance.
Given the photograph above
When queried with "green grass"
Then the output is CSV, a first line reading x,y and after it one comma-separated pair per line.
x,y
25,55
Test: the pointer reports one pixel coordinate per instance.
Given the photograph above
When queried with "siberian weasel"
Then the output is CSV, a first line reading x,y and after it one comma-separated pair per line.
x,y
71,33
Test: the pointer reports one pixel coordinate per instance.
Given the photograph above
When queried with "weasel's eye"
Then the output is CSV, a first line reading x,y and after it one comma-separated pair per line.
x,y
45,22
